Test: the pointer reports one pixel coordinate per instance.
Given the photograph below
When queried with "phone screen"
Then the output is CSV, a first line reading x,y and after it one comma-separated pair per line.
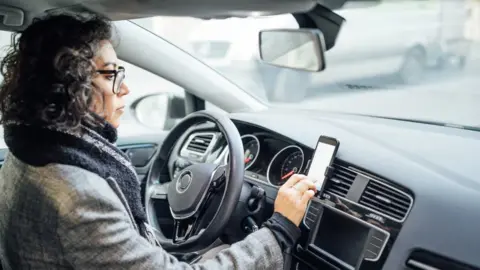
x,y
321,160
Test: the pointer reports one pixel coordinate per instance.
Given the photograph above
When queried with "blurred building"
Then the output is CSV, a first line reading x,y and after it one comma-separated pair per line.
x,y
472,27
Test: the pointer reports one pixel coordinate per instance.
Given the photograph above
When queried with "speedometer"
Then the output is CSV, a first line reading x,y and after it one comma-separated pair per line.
x,y
291,165
284,164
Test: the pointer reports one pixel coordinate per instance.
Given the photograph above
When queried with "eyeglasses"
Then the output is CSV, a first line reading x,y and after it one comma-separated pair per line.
x,y
119,76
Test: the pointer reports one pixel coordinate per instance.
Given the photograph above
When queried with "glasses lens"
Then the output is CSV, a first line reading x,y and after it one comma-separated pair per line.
x,y
118,81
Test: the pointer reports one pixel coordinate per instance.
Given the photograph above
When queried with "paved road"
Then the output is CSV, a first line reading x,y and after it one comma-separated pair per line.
x,y
472,69
444,96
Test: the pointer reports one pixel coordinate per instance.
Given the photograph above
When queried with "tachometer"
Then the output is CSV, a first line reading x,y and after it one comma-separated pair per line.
x,y
251,147
284,164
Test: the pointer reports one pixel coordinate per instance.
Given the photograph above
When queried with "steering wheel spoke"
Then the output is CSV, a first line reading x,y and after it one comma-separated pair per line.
x,y
183,229
159,191
219,177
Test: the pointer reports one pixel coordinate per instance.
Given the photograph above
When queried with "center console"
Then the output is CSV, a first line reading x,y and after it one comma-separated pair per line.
x,y
353,223
346,240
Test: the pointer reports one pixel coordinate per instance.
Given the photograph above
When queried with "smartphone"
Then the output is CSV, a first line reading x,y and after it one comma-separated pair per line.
x,y
323,157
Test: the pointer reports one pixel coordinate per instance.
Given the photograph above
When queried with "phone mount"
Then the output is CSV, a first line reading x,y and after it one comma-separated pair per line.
x,y
328,174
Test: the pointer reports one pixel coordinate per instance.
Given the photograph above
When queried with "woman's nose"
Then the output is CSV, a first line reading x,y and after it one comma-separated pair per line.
x,y
124,90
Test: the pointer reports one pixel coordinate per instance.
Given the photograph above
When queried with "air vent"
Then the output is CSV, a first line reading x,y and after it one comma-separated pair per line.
x,y
387,200
199,143
426,260
341,180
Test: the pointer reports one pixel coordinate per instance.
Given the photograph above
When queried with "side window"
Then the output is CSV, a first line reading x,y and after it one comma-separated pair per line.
x,y
152,110
150,115
5,40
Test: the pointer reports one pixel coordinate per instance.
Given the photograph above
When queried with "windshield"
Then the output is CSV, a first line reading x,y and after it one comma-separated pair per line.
x,y
415,59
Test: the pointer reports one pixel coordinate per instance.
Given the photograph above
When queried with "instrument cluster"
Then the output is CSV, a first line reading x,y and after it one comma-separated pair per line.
x,y
270,160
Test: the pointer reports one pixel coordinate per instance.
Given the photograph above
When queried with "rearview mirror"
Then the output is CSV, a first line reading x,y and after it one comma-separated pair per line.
x,y
301,49
159,111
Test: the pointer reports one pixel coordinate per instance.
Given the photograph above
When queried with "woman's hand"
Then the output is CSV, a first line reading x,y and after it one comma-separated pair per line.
x,y
293,197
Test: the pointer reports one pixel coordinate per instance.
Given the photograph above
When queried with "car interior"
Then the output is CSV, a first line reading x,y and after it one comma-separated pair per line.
x,y
401,194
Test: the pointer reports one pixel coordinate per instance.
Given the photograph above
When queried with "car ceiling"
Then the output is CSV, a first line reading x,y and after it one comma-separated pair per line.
x,y
132,9
16,15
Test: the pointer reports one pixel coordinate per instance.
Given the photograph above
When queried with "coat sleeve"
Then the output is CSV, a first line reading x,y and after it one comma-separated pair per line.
x,y
96,233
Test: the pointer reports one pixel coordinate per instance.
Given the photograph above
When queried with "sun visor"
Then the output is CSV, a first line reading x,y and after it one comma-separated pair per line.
x,y
131,9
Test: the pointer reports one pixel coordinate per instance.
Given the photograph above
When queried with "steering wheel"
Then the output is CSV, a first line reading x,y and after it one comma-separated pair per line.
x,y
191,192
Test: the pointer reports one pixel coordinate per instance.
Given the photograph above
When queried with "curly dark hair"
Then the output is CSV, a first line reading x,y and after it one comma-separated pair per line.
x,y
48,71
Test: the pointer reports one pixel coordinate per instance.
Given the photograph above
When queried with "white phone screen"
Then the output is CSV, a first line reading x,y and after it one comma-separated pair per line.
x,y
321,160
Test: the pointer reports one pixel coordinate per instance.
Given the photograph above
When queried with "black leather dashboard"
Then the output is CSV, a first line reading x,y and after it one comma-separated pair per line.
x,y
438,165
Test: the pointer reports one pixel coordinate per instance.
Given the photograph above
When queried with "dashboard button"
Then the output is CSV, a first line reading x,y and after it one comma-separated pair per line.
x,y
313,212
375,245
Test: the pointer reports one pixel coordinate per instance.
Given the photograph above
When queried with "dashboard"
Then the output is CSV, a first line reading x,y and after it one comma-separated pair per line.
x,y
267,159
402,195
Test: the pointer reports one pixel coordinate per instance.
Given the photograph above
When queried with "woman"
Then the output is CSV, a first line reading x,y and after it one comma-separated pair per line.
x,y
70,198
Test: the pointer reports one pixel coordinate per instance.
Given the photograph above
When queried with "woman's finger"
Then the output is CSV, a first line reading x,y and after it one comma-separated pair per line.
x,y
310,184
307,196
294,179
301,186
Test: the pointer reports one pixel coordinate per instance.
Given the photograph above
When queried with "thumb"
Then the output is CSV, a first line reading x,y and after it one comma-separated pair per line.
x,y
306,197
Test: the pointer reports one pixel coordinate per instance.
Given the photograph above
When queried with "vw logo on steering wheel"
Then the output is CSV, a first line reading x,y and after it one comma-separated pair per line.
x,y
184,182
